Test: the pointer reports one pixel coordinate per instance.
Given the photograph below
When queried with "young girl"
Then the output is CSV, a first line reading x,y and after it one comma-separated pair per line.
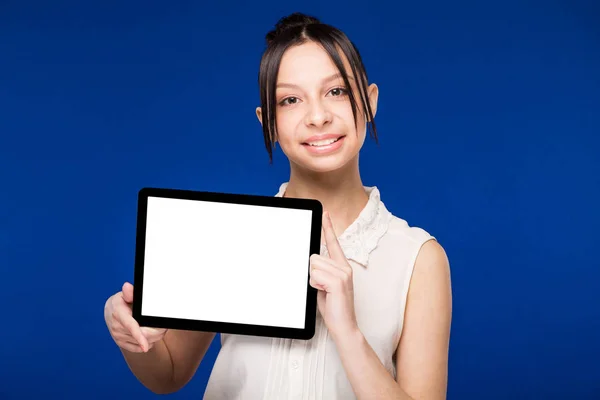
x,y
384,300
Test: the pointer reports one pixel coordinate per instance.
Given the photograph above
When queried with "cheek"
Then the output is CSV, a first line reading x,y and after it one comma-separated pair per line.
x,y
287,123
344,111
357,130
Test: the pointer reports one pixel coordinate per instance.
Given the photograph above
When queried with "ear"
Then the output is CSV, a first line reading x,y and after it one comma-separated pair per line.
x,y
259,114
373,92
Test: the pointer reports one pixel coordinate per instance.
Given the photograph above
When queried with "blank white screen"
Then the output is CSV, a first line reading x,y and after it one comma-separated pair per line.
x,y
226,262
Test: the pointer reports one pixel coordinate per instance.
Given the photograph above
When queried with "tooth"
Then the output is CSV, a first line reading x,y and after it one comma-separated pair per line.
x,y
323,142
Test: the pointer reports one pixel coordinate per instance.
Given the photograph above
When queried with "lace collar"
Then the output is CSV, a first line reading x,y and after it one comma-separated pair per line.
x,y
363,235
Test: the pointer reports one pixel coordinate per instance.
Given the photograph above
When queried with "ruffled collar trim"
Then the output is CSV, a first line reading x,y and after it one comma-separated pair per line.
x,y
363,235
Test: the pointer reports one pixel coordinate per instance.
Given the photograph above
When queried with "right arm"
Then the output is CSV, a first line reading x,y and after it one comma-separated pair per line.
x,y
172,362
163,360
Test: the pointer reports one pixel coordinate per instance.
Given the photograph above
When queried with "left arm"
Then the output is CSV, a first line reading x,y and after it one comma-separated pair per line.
x,y
423,350
422,355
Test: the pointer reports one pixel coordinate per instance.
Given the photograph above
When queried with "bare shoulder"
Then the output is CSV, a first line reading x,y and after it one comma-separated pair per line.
x,y
432,266
422,354
432,259
430,290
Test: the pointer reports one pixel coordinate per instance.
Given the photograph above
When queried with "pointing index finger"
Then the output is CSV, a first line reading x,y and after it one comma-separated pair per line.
x,y
333,246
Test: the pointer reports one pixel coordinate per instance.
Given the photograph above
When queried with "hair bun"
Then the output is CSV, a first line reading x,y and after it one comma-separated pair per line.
x,y
291,21
295,19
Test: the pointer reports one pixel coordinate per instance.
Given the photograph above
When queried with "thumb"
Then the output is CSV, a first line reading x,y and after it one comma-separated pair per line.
x,y
128,292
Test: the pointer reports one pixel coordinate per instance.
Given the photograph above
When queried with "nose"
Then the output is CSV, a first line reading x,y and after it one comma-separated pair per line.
x,y
317,115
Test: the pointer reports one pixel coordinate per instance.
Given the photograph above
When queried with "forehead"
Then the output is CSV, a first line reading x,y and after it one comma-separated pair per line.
x,y
308,63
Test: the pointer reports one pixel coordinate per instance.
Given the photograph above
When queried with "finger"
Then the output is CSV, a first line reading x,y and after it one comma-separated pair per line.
x,y
127,291
118,328
322,259
325,281
339,265
133,328
132,348
125,338
115,325
316,285
331,241
327,265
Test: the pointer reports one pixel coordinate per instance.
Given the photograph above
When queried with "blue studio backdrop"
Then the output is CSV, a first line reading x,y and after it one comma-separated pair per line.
x,y
489,120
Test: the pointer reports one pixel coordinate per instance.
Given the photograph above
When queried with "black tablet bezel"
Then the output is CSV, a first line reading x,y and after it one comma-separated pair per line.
x,y
225,327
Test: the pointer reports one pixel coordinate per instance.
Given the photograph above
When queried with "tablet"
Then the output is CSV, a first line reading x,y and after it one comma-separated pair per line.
x,y
226,263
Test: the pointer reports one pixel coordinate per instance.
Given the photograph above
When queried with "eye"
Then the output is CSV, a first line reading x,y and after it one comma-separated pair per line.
x,y
288,101
339,91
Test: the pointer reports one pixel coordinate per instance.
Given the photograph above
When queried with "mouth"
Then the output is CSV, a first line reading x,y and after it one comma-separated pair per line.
x,y
323,142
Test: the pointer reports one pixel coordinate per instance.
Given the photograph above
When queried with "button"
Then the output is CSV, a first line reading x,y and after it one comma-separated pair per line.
x,y
295,364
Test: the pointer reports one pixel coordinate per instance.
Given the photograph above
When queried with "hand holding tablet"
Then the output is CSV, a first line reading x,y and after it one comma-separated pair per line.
x,y
226,263
124,329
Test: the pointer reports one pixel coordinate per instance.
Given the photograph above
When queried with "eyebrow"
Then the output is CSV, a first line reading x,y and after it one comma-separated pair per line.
x,y
328,79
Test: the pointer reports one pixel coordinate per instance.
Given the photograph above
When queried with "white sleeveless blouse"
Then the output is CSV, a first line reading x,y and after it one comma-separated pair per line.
x,y
382,249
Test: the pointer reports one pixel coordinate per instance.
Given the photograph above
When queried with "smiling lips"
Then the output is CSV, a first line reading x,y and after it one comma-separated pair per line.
x,y
324,144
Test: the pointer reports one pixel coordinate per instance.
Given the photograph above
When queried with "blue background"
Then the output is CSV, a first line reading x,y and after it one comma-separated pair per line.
x,y
489,120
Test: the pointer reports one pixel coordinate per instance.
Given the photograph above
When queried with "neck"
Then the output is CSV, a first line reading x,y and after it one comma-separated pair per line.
x,y
340,192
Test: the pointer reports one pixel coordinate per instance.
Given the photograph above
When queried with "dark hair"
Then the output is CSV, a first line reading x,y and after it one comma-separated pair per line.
x,y
296,29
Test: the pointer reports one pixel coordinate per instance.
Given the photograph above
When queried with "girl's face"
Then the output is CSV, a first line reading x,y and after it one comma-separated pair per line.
x,y
315,124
